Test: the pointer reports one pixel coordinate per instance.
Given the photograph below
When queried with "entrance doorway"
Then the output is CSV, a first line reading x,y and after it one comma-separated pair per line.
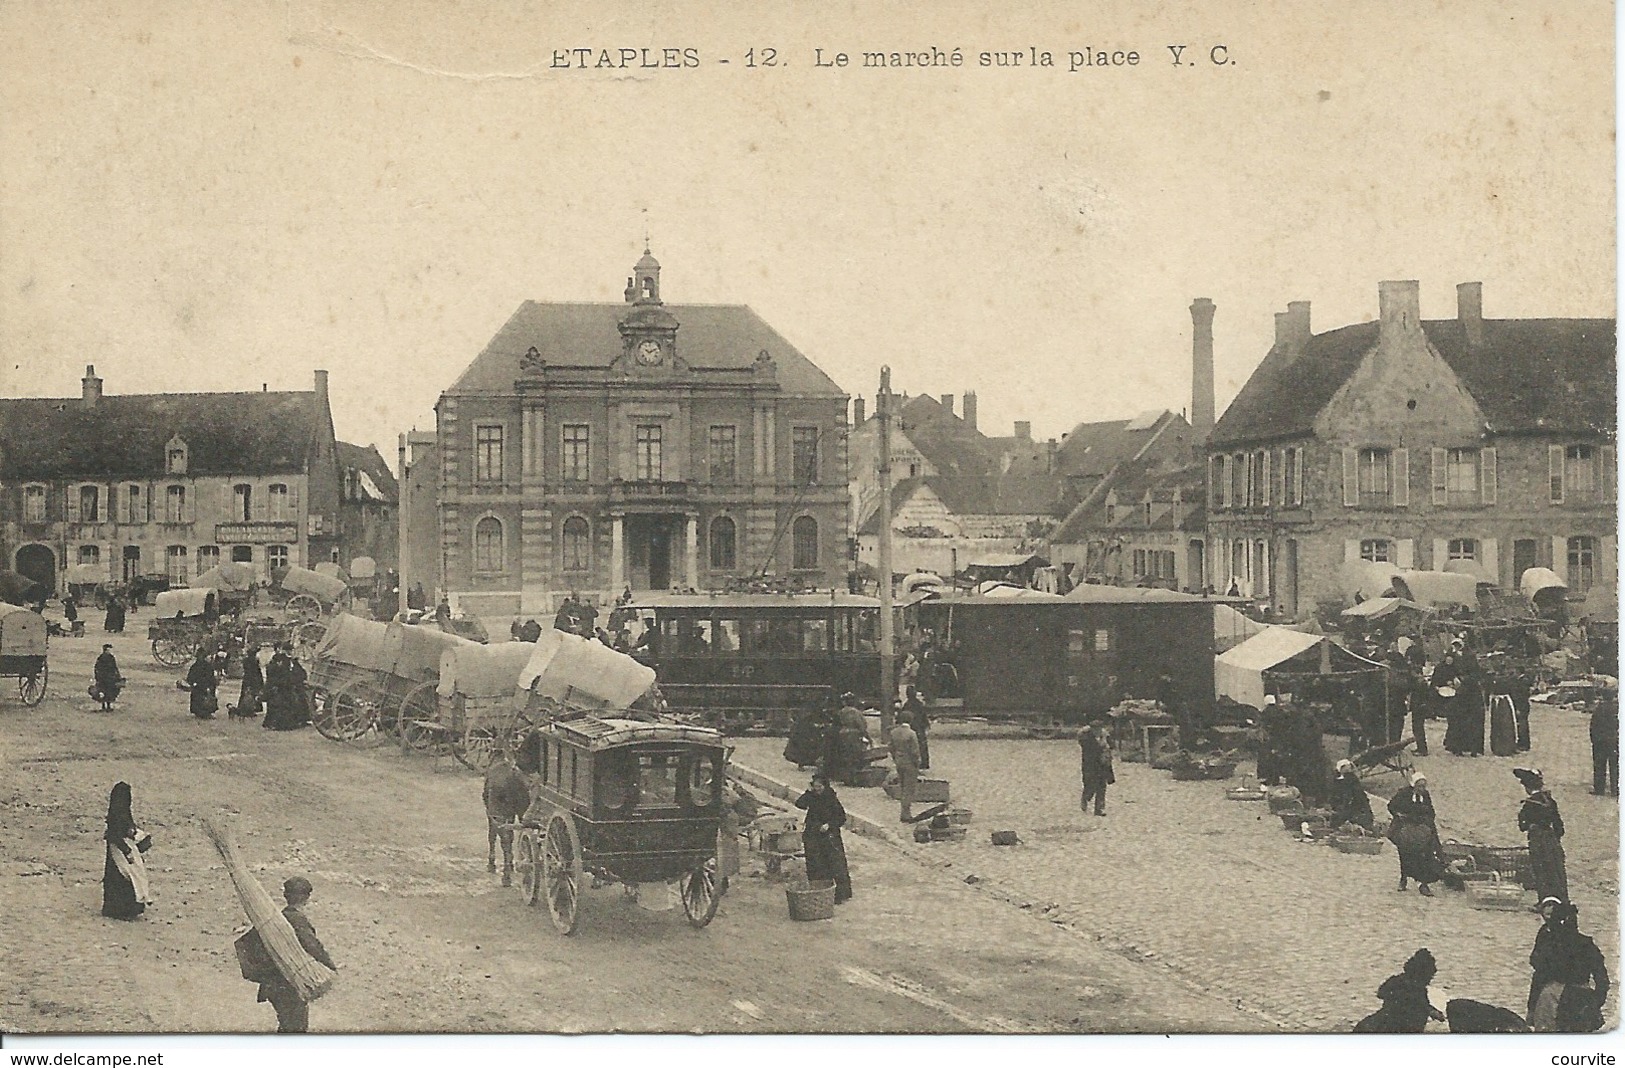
x,y
37,562
650,539
1523,558
132,563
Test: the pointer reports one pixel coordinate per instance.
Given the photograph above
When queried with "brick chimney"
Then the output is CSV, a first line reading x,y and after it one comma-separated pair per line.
x,y
92,387
1470,312
1297,326
1202,367
1399,309
970,409
948,403
321,386
1024,430
857,411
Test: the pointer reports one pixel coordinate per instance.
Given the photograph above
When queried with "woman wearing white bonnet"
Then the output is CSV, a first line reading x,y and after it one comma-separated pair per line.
x,y
1415,835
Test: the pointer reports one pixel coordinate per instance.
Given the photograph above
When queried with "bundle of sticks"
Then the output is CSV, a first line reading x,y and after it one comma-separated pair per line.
x,y
308,976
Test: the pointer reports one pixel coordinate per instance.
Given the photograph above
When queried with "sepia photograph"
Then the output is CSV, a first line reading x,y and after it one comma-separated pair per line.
x,y
1052,519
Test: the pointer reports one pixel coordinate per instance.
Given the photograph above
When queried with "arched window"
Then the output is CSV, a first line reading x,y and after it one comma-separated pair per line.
x,y
804,544
577,545
722,544
488,544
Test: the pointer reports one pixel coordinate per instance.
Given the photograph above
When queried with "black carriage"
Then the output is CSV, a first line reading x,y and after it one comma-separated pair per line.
x,y
23,644
621,800
185,620
744,661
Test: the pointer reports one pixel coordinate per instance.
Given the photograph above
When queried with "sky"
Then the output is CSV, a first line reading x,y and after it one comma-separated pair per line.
x,y
201,196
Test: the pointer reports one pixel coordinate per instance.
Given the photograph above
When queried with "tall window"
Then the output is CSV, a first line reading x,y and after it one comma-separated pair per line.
x,y
577,545
1462,549
242,502
1218,482
207,556
1377,550
488,545
276,556
1582,564
175,557
647,440
577,453
1461,476
90,554
487,454
90,498
804,543
175,504
724,456
277,498
33,504
1580,472
723,552
1238,481
804,455
135,504
1375,483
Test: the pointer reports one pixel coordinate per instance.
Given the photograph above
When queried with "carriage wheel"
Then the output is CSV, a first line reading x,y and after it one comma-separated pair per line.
x,y
171,652
305,606
31,688
699,892
349,714
561,872
418,721
308,636
476,748
527,864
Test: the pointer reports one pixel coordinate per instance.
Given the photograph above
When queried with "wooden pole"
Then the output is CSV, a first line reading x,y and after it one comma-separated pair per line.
x,y
403,518
888,685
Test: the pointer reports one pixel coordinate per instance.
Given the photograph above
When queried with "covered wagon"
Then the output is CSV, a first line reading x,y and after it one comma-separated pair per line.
x,y
470,709
362,673
23,652
183,620
311,594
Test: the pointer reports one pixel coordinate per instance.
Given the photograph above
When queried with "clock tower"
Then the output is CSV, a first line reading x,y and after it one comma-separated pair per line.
x,y
648,330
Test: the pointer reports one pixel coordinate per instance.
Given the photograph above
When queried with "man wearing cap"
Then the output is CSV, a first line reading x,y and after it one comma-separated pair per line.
x,y
851,740
292,1013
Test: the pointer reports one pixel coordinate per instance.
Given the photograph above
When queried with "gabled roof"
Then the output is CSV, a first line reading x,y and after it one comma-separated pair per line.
x,y
1093,450
1129,490
977,495
1528,376
126,436
709,337
367,460
946,440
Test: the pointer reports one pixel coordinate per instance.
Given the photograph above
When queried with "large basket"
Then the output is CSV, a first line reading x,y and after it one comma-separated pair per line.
x,y
817,902
1357,844
1511,861
1496,895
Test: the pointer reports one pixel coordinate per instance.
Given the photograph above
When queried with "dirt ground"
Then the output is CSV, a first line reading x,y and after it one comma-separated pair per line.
x,y
426,939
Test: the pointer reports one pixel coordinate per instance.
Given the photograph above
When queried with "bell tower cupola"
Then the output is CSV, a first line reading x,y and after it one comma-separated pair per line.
x,y
644,285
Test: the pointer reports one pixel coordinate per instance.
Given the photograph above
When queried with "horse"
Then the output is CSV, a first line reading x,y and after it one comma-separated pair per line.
x,y
506,795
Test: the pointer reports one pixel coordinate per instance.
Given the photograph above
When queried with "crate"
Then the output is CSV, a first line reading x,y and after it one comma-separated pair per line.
x,y
960,817
1357,844
948,834
926,791
814,903
1005,838
1496,896
869,778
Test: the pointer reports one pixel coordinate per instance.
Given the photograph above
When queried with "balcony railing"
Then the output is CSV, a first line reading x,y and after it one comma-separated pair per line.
x,y
646,489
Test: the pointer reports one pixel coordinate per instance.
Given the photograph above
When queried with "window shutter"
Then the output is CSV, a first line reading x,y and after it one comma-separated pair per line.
x,y
1351,474
1402,478
1560,548
1213,482
1489,559
1405,554
1297,472
1351,549
1488,476
1554,473
73,504
1441,553
1609,474
1607,561
1268,484
1441,485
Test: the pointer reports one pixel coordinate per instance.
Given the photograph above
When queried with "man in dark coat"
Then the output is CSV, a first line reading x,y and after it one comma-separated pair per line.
x,y
1096,765
919,717
108,679
292,1011
1605,745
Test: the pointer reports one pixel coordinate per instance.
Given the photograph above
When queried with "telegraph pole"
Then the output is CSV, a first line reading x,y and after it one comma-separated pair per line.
x,y
888,685
403,505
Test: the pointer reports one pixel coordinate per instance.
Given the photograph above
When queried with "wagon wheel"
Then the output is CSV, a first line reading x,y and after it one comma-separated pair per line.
x,y
527,864
349,714
171,652
419,719
561,872
476,748
305,606
699,892
308,636
31,688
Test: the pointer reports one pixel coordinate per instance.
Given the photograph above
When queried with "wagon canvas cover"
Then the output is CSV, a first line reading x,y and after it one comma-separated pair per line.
x,y
227,577
474,670
325,587
360,643
187,602
563,662
22,632
420,649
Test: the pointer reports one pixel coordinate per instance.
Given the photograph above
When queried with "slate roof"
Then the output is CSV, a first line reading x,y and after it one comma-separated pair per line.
x,y
126,436
709,336
975,495
1529,376
367,458
1130,486
946,440
1092,450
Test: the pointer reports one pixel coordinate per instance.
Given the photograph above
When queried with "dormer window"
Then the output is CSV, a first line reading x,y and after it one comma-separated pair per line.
x,y
175,456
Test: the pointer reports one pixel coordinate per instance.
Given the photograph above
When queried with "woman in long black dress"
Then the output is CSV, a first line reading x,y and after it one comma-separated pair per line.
x,y
1570,983
201,680
1415,835
1348,800
125,892
1406,1009
821,837
1539,819
249,697
1447,703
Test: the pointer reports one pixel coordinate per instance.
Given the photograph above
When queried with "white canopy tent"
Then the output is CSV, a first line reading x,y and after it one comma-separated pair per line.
x,y
1239,673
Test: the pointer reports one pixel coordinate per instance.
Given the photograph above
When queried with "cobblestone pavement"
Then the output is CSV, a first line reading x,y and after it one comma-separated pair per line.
x,y
1217,892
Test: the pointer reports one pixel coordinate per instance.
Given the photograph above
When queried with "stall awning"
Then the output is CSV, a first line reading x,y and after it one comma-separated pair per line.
x,y
1239,673
1431,589
1379,607
1231,628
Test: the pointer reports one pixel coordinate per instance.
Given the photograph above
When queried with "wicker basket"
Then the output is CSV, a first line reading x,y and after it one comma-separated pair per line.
x,y
1454,850
1221,770
1496,895
1345,843
1511,861
960,817
817,902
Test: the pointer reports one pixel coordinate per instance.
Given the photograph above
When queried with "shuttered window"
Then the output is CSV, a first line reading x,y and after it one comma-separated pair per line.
x,y
1489,476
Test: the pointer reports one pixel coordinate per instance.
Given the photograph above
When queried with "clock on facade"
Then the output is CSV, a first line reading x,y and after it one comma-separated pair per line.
x,y
649,353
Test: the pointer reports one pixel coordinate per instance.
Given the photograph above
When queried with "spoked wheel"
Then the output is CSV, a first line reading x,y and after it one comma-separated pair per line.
x,y
305,607
699,892
353,713
561,872
307,636
31,688
527,864
419,720
171,652
476,748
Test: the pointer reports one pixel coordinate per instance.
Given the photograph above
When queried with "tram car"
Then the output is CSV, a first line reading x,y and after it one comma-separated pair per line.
x,y
746,662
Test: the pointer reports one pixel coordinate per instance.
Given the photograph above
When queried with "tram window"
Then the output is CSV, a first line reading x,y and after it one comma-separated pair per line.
x,y
843,633
815,636
617,782
868,634
702,781
657,780
726,638
773,637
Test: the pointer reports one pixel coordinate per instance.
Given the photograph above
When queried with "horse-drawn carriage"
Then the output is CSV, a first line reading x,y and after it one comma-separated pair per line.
x,y
23,652
362,672
471,709
312,594
184,620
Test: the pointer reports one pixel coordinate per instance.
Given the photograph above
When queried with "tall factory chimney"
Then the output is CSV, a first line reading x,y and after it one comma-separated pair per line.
x,y
1202,367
